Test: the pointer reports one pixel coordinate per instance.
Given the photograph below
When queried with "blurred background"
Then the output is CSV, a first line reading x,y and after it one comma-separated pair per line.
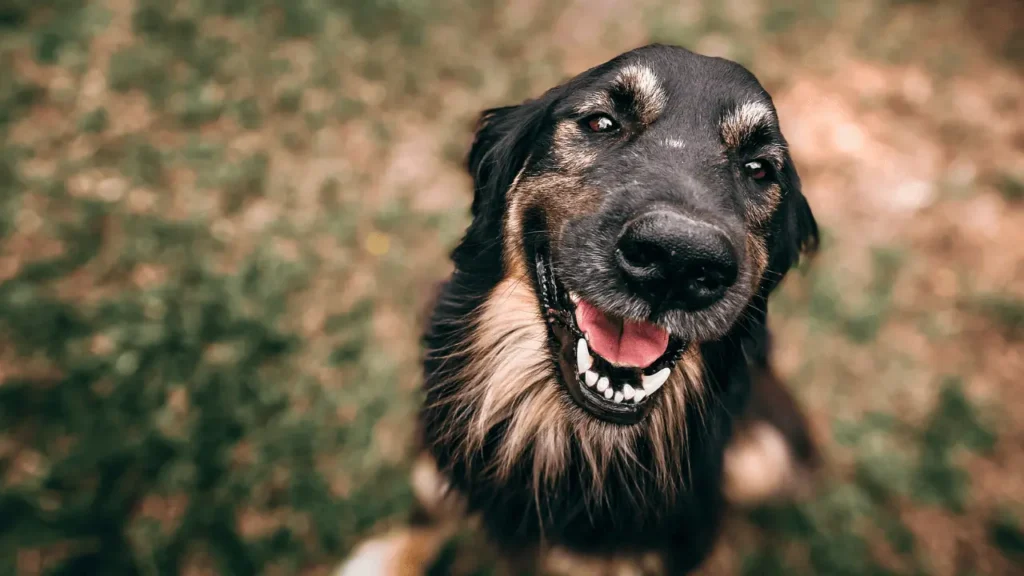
x,y
220,221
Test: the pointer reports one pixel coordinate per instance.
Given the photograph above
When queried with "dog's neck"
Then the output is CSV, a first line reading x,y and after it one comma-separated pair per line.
x,y
571,473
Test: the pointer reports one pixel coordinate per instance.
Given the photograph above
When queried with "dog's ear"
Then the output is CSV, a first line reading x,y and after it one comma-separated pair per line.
x,y
794,231
502,142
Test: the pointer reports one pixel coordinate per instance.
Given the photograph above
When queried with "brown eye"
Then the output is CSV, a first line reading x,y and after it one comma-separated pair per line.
x,y
601,123
756,169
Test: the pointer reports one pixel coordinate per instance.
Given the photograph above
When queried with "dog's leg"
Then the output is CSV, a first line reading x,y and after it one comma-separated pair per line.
x,y
411,549
772,453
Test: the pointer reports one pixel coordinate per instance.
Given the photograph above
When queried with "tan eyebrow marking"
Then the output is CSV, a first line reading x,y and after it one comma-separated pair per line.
x,y
743,121
596,102
645,87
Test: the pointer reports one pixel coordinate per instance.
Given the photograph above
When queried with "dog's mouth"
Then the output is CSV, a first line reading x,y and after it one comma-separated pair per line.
x,y
613,368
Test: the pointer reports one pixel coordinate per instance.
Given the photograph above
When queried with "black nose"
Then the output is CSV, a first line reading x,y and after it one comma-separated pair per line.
x,y
675,262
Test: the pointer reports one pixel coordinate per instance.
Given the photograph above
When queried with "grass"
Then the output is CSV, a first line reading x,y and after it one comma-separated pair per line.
x,y
1011,187
212,272
1004,311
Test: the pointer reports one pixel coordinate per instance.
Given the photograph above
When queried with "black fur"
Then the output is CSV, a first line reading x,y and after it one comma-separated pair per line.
x,y
631,514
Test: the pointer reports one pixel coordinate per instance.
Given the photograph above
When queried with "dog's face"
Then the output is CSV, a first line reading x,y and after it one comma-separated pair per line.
x,y
621,220
642,200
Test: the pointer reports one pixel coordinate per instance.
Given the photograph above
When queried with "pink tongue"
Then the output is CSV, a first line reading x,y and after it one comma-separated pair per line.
x,y
623,343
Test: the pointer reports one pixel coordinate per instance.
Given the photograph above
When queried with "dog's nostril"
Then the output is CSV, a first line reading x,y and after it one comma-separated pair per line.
x,y
709,280
640,255
675,262
704,286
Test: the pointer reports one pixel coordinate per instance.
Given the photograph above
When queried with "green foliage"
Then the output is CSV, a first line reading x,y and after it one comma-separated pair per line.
x,y
171,417
1005,534
954,423
142,162
196,109
352,327
765,563
1011,187
244,180
177,378
780,18
1006,311
863,325
64,25
10,188
895,463
249,114
861,320
16,96
289,101
141,67
95,121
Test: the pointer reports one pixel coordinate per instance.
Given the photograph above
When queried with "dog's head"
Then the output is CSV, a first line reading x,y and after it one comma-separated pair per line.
x,y
621,220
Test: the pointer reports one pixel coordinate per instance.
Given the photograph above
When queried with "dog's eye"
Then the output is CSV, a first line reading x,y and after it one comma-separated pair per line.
x,y
600,123
756,169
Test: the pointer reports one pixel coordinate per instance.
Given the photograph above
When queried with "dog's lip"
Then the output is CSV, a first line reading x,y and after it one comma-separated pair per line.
x,y
616,394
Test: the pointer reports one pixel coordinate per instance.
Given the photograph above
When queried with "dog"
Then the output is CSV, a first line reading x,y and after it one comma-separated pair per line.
x,y
597,382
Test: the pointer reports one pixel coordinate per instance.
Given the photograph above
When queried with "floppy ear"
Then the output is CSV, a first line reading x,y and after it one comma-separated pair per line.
x,y
501,148
794,231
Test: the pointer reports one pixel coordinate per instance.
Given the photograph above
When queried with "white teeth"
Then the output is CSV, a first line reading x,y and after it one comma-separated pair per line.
x,y
628,392
584,363
583,359
654,381
574,297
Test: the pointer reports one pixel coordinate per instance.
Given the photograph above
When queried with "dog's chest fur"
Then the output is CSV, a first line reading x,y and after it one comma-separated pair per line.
x,y
627,510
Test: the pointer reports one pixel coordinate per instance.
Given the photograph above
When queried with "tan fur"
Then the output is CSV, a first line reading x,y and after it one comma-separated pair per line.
x,y
757,254
562,196
743,120
597,102
758,464
512,378
515,267
406,552
645,86
433,491
409,551
572,155
561,562
759,210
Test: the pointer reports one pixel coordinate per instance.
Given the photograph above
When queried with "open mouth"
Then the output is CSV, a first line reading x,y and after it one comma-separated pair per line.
x,y
612,367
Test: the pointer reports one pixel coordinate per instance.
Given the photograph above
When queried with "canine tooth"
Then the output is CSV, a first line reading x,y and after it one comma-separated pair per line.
x,y
590,377
618,397
628,392
608,393
654,381
583,359
602,384
640,395
574,297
